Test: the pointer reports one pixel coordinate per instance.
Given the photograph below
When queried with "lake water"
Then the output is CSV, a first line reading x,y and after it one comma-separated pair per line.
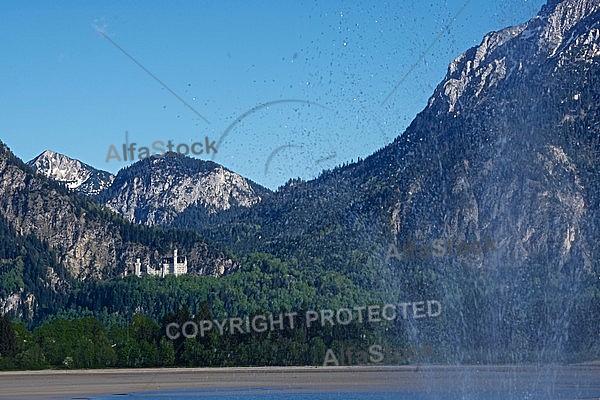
x,y
450,382
275,394
447,384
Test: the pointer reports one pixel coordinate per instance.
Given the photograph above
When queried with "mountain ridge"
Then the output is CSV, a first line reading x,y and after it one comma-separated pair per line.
x,y
89,240
75,174
157,190
507,148
446,173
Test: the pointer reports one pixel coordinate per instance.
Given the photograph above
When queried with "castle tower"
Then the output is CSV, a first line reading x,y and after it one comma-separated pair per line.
x,y
183,267
138,268
179,266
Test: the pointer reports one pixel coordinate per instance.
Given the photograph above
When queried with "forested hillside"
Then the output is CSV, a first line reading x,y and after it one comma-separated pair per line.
x,y
504,158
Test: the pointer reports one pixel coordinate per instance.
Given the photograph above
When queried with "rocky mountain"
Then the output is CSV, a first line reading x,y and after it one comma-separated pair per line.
x,y
32,281
90,241
73,173
507,150
506,153
507,147
156,191
164,191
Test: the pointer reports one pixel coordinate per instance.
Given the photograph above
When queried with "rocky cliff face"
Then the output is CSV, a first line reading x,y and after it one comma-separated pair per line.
x,y
551,37
156,191
506,148
89,241
508,145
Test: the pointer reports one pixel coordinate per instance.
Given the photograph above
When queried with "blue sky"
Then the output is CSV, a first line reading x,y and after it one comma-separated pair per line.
x,y
67,88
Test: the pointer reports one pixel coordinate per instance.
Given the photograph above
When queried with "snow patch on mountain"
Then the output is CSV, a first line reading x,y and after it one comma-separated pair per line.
x,y
73,173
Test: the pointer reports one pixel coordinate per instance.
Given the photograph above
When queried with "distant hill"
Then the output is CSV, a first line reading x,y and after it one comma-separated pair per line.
x,y
73,173
86,241
157,191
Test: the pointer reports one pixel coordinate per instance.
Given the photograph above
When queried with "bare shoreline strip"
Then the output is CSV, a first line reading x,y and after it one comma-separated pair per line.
x,y
49,384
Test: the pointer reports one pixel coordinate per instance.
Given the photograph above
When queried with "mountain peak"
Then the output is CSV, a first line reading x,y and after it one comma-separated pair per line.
x,y
156,190
75,174
510,52
560,17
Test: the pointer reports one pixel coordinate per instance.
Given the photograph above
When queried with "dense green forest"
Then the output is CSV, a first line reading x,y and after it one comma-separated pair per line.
x,y
86,342
519,317
504,315
115,322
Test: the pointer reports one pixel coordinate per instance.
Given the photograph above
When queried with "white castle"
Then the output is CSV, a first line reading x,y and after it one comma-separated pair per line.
x,y
170,266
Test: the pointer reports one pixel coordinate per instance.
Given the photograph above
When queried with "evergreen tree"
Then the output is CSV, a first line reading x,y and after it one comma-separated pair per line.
x,y
8,339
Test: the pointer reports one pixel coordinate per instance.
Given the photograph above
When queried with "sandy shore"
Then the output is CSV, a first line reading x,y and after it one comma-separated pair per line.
x,y
79,383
